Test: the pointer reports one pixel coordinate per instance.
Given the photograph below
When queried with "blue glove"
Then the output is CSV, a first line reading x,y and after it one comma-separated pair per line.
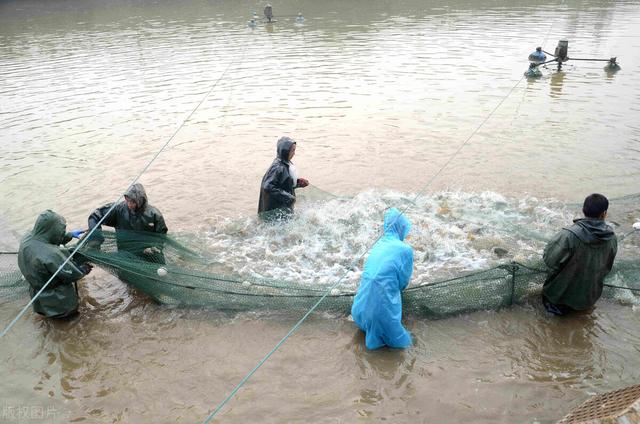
x,y
77,233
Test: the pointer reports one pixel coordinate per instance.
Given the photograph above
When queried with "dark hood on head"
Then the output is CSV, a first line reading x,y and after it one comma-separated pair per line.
x,y
136,192
591,230
284,147
50,227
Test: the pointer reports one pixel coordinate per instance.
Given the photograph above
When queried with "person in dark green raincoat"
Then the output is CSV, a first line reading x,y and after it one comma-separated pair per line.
x,y
39,257
277,189
579,257
132,218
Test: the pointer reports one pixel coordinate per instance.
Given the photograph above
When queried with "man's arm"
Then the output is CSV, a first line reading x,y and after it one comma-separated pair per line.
x,y
406,267
558,251
97,215
614,252
69,272
159,225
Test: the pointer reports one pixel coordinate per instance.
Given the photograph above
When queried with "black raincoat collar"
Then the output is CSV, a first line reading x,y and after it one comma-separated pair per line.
x,y
591,230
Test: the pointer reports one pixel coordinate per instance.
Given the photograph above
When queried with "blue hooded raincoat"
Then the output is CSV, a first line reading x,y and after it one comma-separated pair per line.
x,y
377,307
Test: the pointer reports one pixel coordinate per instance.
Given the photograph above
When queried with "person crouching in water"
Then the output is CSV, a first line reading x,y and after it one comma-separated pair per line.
x,y
377,307
132,219
579,257
277,190
39,257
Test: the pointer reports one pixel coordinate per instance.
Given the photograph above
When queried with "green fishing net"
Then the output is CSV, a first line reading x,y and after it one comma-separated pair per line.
x,y
177,270
184,278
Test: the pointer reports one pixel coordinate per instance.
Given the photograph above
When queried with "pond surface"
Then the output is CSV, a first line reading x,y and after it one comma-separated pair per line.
x,y
380,96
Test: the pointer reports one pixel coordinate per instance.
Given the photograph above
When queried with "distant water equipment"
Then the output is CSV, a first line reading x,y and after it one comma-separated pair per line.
x,y
533,71
538,56
612,66
269,17
560,56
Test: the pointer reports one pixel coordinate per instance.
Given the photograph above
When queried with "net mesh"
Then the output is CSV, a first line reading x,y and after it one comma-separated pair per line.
x,y
173,273
12,285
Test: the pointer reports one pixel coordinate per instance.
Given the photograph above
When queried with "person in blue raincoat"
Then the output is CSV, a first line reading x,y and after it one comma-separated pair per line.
x,y
377,307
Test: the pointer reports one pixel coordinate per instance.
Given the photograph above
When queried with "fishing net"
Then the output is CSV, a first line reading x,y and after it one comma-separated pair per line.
x,y
12,285
176,270
181,277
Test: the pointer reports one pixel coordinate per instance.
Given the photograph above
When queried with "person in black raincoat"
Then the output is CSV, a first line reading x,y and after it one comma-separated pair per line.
x,y
277,190
132,218
579,257
39,257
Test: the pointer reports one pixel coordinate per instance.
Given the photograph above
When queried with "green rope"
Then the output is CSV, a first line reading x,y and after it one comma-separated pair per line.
x,y
623,288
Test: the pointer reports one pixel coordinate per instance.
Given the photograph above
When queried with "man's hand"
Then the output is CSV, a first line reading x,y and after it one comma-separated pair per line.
x,y
302,182
85,268
77,233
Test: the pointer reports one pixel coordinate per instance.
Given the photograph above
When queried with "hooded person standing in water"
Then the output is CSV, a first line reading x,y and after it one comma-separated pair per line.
x,y
579,257
39,257
277,190
377,307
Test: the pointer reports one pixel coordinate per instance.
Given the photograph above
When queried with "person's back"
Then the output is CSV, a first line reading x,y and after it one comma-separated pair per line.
x,y
39,256
377,307
579,257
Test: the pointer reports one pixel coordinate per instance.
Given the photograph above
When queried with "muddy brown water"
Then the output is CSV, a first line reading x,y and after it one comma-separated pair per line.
x,y
380,95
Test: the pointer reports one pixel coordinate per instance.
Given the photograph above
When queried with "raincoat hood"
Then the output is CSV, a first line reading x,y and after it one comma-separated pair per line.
x,y
136,193
50,228
396,224
284,147
592,231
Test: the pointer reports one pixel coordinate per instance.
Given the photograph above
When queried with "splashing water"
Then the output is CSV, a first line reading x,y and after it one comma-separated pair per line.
x,y
452,233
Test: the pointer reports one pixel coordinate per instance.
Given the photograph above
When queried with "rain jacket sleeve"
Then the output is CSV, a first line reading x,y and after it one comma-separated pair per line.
x,y
67,238
60,298
160,226
68,274
558,251
111,220
97,215
406,268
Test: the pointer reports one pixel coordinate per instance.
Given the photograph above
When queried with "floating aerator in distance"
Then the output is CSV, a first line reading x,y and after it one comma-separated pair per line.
x,y
560,56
